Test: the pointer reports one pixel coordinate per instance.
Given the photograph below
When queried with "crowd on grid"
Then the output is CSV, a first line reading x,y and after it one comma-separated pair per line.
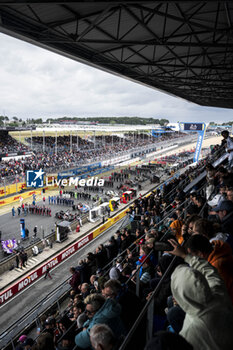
x,y
25,209
192,299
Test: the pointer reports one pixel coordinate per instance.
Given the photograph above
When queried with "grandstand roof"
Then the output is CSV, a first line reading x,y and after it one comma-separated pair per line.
x,y
100,127
181,47
16,128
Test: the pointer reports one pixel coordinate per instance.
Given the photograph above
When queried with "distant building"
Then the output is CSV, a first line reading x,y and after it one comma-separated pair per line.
x,y
77,122
173,126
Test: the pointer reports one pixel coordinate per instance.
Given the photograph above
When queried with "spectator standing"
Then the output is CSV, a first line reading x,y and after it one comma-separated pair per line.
x,y
35,230
75,280
13,211
21,259
229,147
47,273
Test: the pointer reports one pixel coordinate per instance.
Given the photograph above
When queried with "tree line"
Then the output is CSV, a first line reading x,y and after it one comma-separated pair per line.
x,y
95,120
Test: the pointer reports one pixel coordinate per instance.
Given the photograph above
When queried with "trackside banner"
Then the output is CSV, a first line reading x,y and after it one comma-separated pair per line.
x,y
36,274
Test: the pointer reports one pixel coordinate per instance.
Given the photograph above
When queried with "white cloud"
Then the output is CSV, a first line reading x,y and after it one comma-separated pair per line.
x,y
38,83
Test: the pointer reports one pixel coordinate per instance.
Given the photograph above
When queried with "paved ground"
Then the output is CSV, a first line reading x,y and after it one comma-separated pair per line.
x,y
24,301
10,276
10,226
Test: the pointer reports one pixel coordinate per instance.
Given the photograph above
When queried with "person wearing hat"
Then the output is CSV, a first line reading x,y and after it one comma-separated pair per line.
x,y
50,324
225,213
21,340
176,226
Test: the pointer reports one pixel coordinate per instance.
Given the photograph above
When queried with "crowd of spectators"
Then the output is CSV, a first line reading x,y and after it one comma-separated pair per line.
x,y
97,141
192,292
62,141
8,144
65,158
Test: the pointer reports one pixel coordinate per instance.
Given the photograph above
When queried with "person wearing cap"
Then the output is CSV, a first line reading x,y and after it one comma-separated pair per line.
x,y
225,213
229,146
50,324
215,200
22,339
114,273
176,226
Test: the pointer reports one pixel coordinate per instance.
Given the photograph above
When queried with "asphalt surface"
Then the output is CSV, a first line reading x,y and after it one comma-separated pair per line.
x,y
10,226
24,301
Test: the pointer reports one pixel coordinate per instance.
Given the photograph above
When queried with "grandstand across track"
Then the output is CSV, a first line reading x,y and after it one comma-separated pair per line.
x,y
11,228
26,303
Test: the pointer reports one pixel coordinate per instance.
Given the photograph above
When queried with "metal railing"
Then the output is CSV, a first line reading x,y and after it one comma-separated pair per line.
x,y
148,306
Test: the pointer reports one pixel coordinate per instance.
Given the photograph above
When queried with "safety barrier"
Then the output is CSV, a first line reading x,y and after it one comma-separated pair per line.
x,y
57,259
18,197
11,189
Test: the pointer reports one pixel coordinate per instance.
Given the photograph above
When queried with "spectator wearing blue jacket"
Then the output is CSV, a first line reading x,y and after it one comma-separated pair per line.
x,y
100,310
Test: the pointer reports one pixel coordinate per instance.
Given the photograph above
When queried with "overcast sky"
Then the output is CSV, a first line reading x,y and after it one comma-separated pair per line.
x,y
37,83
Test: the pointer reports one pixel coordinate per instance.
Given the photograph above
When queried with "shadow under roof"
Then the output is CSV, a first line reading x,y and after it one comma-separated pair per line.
x,y
184,48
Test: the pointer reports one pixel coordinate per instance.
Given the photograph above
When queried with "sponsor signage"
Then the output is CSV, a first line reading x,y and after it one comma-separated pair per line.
x,y
36,274
192,126
80,170
198,127
33,276
198,147
116,160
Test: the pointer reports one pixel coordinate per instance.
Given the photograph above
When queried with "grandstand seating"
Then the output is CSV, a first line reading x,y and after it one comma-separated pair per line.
x,y
64,158
138,266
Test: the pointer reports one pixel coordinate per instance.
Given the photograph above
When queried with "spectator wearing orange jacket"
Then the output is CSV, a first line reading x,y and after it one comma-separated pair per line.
x,y
176,226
